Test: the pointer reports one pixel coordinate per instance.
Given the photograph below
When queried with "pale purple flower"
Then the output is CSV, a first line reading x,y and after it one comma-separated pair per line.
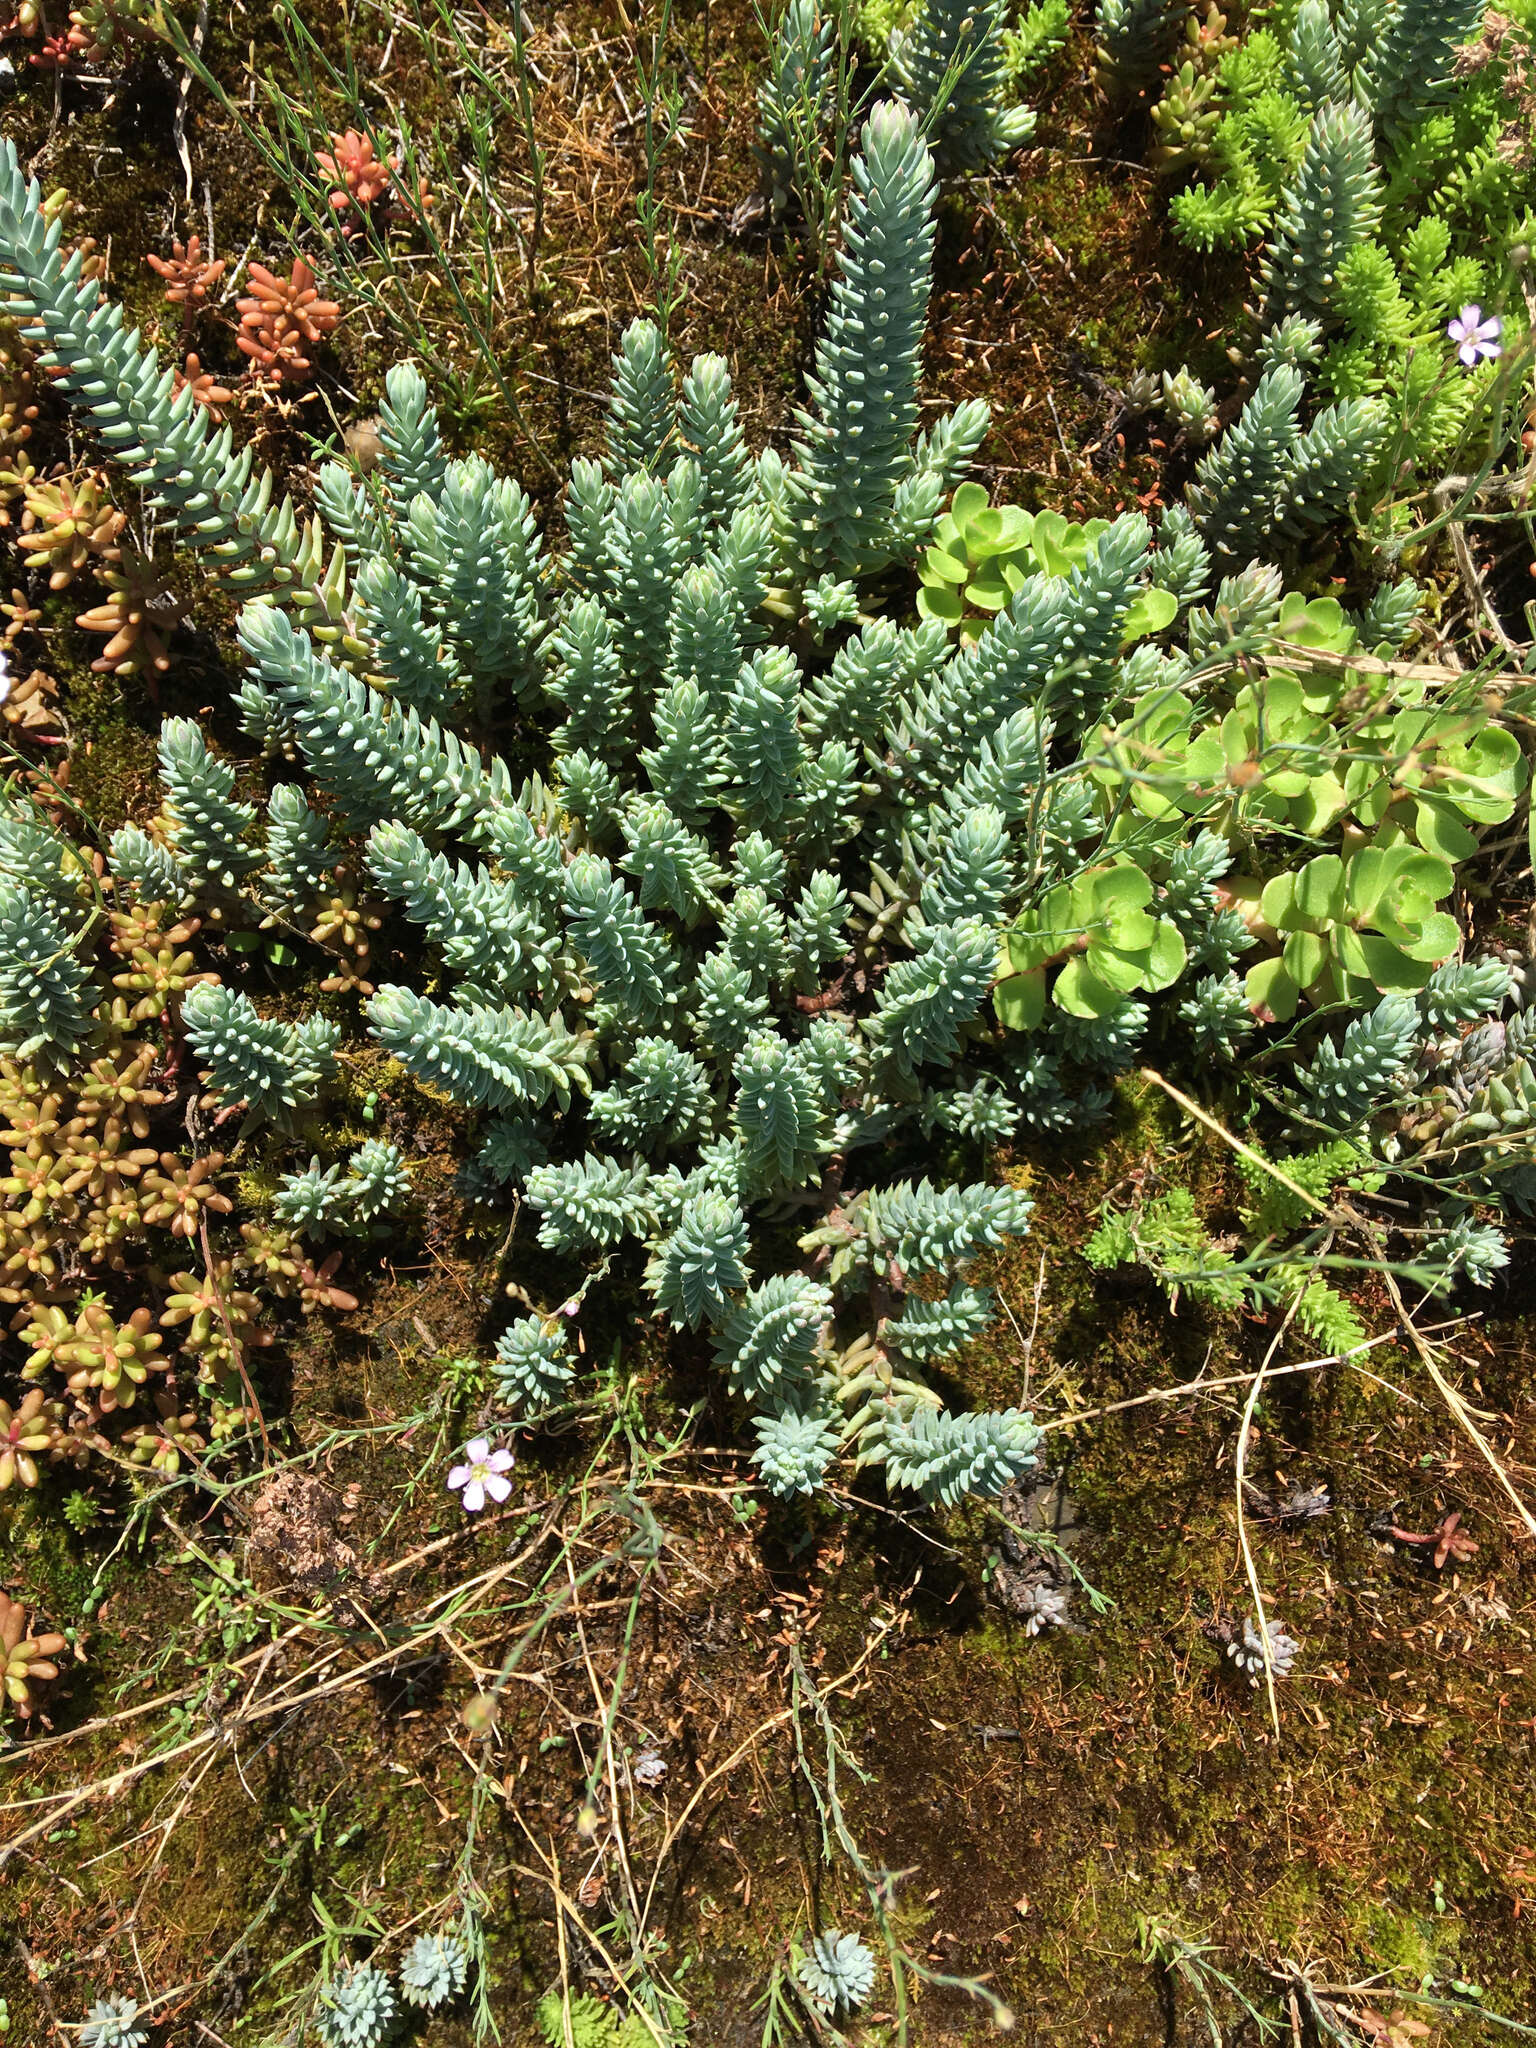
x,y
1476,339
483,1473
5,676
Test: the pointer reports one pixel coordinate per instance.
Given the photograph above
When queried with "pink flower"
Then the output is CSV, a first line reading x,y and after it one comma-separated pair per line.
x,y
482,1475
1475,337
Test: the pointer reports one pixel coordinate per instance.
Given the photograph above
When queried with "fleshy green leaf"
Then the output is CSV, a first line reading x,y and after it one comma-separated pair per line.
x,y
1019,1000
1153,612
1081,993
1271,991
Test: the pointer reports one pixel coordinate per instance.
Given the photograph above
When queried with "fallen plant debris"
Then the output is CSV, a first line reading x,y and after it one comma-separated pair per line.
x,y
1444,1543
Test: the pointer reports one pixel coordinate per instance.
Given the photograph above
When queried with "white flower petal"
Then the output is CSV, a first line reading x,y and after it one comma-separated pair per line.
x,y
459,1476
497,1487
474,1497
478,1451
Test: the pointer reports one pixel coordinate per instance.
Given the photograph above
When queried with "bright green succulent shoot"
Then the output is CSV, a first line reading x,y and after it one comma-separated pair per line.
x,y
1281,756
1101,930
980,558
1432,775
1272,756
1424,773
1279,747
1059,544
983,554
1351,928
1158,764
1318,622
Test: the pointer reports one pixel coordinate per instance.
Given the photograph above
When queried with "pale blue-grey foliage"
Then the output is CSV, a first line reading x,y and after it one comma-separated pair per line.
x,y
357,2009
207,826
586,1204
928,1229
663,1096
949,66
377,1180
151,870
275,1069
841,503
1462,991
189,472
1347,1080
38,858
837,1970
942,1456
665,905
1469,1250
794,1448
768,1342
298,851
45,991
435,1969
642,411
1218,1016
701,1262
936,1329
1332,205
1267,479
311,1199
533,1363
510,1146
1134,37
794,102
492,1058
1412,64
112,2023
